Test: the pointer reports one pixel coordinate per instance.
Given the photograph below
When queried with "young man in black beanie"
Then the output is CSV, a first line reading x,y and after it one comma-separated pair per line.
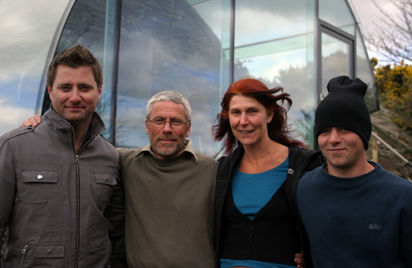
x,y
356,213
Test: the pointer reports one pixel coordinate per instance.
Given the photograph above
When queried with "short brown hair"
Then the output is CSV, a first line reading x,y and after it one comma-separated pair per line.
x,y
74,57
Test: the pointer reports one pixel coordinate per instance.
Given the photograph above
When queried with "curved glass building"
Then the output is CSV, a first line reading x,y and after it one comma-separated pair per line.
x,y
196,47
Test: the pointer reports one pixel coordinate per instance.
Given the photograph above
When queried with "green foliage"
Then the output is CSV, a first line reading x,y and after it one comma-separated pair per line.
x,y
395,91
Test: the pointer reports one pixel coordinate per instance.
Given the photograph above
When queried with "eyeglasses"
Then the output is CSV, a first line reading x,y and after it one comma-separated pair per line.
x,y
161,122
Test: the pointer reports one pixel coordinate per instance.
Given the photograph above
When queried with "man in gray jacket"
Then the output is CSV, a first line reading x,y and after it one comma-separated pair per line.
x,y
60,190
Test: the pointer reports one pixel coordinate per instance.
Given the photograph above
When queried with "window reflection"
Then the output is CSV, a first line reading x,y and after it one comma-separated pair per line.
x,y
26,31
169,45
337,13
263,20
335,60
279,55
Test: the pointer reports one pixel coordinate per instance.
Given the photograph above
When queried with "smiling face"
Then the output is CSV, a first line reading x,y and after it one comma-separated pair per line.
x,y
343,149
248,120
74,94
168,140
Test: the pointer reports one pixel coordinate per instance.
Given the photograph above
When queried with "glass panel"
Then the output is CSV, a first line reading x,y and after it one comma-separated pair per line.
x,y
337,13
265,20
171,45
364,72
335,60
91,23
27,29
279,55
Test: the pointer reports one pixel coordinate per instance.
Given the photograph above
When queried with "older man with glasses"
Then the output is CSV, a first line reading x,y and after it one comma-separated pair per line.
x,y
168,191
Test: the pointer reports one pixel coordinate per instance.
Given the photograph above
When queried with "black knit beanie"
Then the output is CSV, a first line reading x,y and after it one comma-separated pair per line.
x,y
344,106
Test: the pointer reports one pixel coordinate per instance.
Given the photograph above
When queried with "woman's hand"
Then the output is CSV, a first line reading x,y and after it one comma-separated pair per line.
x,y
299,260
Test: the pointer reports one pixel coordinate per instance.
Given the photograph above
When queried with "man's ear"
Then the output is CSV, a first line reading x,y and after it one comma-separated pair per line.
x,y
189,124
50,91
100,91
146,126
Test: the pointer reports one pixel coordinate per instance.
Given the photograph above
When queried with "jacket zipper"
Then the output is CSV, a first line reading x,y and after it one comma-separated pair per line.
x,y
77,212
77,235
23,253
77,247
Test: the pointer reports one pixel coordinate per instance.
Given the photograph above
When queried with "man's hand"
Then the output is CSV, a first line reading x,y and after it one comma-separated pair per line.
x,y
32,121
300,263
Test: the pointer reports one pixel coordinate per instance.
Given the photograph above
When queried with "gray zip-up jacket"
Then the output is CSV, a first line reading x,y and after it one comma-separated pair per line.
x,y
58,205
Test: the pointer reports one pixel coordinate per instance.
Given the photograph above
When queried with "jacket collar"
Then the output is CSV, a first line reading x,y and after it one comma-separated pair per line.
x,y
96,125
188,150
297,156
228,163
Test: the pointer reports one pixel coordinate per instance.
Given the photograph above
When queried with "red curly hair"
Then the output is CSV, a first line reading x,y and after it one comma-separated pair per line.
x,y
249,87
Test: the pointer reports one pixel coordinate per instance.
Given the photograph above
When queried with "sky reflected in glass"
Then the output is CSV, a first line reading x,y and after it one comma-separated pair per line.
x,y
26,30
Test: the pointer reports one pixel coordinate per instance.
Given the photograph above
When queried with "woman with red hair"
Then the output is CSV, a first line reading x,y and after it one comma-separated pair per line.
x,y
257,222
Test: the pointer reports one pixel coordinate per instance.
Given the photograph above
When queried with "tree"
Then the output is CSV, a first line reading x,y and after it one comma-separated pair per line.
x,y
395,91
393,36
